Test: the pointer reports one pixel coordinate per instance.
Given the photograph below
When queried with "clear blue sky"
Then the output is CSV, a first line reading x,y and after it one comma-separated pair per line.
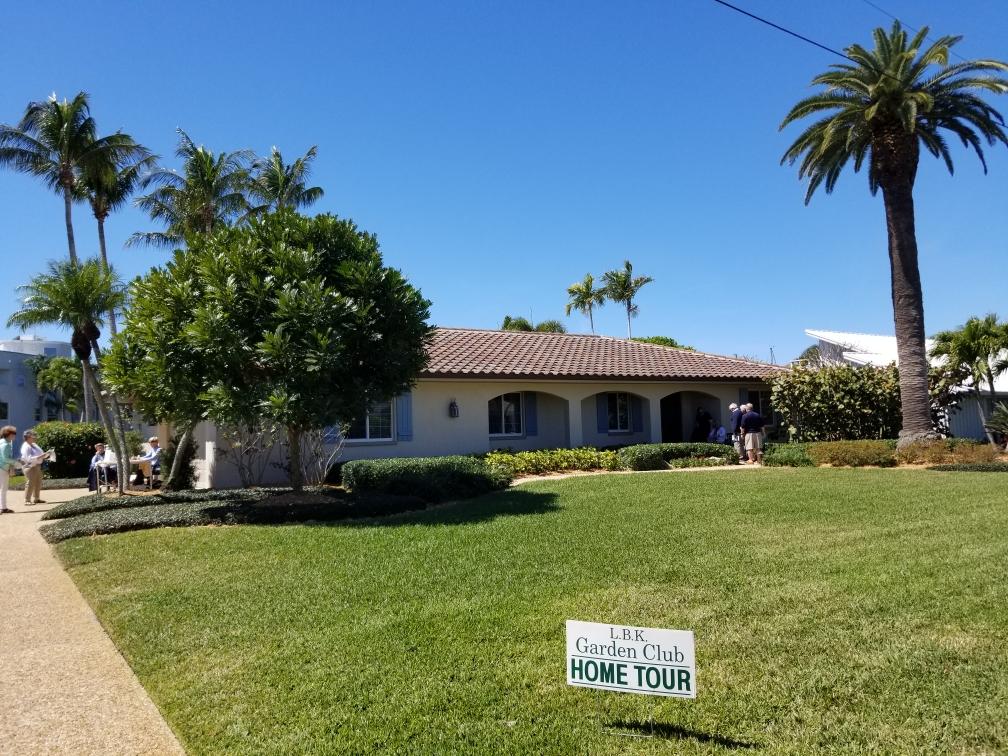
x,y
501,150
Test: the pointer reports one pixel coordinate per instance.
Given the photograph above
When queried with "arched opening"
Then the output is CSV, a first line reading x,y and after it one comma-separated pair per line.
x,y
688,416
527,420
615,418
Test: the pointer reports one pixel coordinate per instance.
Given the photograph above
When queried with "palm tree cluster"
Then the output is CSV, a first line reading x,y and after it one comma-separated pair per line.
x,y
518,323
620,286
880,109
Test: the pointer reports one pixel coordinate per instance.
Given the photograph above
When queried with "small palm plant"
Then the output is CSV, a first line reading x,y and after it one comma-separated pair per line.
x,y
78,296
277,184
585,297
998,422
622,286
880,110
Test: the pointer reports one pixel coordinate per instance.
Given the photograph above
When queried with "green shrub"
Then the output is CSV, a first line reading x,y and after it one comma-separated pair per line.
x,y
852,453
50,484
92,503
697,449
787,455
74,446
553,460
972,467
433,479
946,451
642,457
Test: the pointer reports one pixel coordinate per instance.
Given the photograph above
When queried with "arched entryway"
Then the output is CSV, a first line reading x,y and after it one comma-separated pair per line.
x,y
681,411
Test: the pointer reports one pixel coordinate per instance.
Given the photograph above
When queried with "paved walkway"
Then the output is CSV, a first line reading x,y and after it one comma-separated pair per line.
x,y
64,687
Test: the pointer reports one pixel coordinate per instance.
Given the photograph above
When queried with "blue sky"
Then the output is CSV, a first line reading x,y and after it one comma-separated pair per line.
x,y
501,150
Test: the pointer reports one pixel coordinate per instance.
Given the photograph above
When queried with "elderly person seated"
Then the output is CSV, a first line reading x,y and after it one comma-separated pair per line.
x,y
102,469
149,462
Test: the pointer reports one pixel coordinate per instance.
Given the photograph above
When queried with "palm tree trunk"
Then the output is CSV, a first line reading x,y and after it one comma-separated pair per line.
x,y
69,224
294,458
91,381
88,413
181,452
993,404
908,312
629,335
116,426
591,321
104,259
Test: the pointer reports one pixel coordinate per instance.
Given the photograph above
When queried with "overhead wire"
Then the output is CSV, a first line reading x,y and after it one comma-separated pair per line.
x,y
884,12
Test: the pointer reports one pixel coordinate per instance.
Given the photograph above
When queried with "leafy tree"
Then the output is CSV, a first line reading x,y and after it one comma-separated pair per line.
x,y
998,422
810,357
291,319
210,192
77,296
662,341
880,109
108,185
277,185
524,324
62,376
621,286
585,297
980,350
55,141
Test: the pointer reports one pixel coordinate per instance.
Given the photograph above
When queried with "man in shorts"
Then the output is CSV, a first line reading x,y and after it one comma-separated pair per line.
x,y
752,426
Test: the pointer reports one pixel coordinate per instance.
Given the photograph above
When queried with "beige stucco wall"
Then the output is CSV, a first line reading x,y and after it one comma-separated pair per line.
x,y
566,417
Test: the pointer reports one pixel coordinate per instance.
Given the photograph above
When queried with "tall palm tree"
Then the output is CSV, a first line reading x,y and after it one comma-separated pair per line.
x,y
980,348
880,109
277,185
56,141
584,298
621,286
211,191
108,186
77,296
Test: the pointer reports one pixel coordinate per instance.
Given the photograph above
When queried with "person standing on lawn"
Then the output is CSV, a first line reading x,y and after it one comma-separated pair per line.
x,y
32,458
735,425
752,426
7,435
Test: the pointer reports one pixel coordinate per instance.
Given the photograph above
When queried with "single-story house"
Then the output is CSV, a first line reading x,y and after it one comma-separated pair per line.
x,y
484,390
841,347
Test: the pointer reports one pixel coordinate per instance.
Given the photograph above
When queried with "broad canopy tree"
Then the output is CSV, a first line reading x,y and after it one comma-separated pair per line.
x,y
289,318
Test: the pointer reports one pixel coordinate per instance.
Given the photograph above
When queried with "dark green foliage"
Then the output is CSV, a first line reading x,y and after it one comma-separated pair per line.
x,y
838,402
92,503
662,456
433,479
853,453
973,467
185,478
74,445
662,341
787,455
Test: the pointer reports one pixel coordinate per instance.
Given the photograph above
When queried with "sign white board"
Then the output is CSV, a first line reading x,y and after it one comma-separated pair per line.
x,y
630,659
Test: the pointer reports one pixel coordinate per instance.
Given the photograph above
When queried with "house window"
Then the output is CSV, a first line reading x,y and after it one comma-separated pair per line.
x,y
505,414
4,377
619,412
373,425
761,403
50,351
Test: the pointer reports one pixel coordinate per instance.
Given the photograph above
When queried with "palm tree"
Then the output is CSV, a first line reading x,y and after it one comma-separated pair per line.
x,y
56,141
277,185
209,192
621,286
980,349
584,298
524,324
881,108
550,326
108,185
77,296
61,376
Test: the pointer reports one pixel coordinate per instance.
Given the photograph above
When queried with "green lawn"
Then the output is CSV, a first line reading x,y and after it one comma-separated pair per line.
x,y
834,610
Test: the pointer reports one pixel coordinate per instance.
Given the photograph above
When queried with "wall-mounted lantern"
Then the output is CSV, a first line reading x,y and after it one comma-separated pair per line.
x,y
453,410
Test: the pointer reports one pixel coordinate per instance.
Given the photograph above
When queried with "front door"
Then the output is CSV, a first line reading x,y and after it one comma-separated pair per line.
x,y
671,418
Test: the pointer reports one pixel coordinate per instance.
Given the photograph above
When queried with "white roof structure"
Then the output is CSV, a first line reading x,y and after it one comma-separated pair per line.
x,y
874,349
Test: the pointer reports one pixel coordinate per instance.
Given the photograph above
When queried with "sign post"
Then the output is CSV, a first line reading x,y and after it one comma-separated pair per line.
x,y
622,658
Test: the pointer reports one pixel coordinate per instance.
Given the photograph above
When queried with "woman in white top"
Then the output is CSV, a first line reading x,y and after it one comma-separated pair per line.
x,y
32,458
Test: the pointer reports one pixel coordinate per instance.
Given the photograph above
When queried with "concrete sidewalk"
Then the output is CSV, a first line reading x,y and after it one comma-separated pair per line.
x,y
64,687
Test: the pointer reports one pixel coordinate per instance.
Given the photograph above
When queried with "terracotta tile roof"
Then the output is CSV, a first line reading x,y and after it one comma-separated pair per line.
x,y
467,352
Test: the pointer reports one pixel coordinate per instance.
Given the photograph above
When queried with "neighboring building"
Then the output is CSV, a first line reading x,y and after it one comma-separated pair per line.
x,y
486,390
837,347
21,404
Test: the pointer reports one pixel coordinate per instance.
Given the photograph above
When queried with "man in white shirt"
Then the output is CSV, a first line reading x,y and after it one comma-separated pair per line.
x,y
150,461
32,458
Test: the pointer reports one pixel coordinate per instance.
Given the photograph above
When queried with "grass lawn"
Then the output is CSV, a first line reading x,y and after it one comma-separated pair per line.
x,y
834,610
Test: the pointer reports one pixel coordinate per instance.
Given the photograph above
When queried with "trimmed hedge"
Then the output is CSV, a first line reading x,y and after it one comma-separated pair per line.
x,y
663,456
947,451
433,479
973,467
74,445
553,460
853,453
787,455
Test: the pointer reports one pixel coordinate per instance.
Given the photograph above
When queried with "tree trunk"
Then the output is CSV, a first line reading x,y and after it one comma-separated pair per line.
x,y
591,321
104,258
91,381
181,452
117,423
69,224
629,335
294,458
88,414
908,312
